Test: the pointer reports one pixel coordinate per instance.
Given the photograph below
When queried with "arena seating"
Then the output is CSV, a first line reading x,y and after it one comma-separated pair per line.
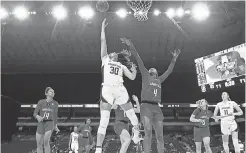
x,y
174,143
178,136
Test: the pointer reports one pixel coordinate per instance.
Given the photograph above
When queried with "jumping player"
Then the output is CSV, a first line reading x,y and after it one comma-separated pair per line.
x,y
121,125
46,114
85,138
200,117
151,113
113,91
73,141
228,124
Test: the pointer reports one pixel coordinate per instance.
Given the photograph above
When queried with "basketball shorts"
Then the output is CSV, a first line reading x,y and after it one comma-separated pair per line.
x,y
114,95
45,126
119,126
200,133
151,111
75,147
83,142
227,127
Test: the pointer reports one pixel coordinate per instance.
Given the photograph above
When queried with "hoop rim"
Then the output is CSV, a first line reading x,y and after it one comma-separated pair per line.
x,y
136,8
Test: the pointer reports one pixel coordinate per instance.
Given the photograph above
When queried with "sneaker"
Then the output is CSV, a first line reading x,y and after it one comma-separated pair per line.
x,y
98,150
135,137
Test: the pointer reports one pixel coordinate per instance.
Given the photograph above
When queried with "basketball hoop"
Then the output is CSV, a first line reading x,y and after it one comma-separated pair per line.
x,y
140,8
102,5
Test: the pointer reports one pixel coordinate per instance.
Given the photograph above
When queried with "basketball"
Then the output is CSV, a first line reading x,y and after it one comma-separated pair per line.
x,y
102,5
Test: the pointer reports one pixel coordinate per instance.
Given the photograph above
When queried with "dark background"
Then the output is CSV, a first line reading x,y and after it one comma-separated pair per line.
x,y
40,52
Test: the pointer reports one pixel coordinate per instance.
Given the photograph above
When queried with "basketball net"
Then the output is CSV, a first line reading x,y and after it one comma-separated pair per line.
x,y
140,8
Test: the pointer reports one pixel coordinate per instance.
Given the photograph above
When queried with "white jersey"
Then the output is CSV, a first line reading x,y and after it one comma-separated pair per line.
x,y
75,137
225,109
112,72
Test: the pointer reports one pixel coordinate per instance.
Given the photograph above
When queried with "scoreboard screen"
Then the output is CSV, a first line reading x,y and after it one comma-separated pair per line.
x,y
222,69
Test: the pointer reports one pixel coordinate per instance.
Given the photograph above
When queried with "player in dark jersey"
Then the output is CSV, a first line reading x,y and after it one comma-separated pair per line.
x,y
121,125
85,138
200,117
46,114
151,113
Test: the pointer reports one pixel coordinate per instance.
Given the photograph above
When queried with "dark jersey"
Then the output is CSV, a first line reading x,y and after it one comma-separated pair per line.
x,y
120,115
85,130
204,115
151,89
47,110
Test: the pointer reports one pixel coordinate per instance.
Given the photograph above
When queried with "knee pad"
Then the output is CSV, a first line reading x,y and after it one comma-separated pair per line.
x,y
105,115
132,116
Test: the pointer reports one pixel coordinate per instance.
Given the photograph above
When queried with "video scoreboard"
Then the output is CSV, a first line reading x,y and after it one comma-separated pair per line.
x,y
222,69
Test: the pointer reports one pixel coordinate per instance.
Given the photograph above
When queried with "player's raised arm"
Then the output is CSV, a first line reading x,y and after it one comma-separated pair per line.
x,y
129,74
103,40
171,66
141,66
135,98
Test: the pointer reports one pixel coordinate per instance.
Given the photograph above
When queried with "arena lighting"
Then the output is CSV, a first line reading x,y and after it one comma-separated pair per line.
x,y
157,12
122,13
200,11
3,13
86,12
21,12
187,11
59,12
170,13
180,12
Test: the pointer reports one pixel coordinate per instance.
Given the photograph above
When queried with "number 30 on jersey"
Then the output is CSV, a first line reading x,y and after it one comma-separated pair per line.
x,y
114,70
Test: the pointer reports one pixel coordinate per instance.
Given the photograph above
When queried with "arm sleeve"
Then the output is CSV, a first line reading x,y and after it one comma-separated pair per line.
x,y
168,71
140,63
56,113
104,50
104,60
37,109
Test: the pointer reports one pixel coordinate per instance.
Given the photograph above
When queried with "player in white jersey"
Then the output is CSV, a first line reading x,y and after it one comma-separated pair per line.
x,y
113,90
228,124
73,141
